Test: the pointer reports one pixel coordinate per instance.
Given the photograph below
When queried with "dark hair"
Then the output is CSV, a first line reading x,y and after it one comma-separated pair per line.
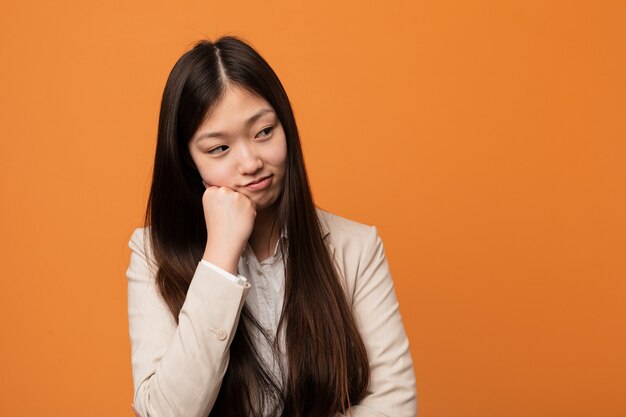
x,y
327,363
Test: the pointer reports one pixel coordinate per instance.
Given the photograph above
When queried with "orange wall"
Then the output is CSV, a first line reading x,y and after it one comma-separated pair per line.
x,y
485,139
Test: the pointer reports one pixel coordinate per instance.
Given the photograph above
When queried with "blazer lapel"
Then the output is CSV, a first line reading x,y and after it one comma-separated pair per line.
x,y
325,232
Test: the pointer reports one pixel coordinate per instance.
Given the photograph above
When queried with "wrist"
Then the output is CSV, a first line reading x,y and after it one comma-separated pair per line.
x,y
227,263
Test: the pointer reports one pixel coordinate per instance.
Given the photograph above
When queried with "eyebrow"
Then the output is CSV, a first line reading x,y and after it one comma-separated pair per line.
x,y
248,122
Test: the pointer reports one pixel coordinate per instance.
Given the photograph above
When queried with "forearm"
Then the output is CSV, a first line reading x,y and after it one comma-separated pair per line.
x,y
186,379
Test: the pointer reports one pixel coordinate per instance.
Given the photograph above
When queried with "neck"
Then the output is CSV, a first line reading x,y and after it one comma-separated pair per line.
x,y
263,239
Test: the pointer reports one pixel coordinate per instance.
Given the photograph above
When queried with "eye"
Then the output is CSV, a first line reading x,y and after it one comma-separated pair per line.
x,y
268,130
212,151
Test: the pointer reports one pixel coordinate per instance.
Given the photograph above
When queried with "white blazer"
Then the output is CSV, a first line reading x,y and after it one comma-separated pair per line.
x,y
178,370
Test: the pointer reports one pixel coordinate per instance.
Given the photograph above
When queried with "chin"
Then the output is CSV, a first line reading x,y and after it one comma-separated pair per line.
x,y
267,204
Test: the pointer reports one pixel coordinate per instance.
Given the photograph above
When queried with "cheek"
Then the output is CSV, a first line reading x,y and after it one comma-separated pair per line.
x,y
278,154
216,175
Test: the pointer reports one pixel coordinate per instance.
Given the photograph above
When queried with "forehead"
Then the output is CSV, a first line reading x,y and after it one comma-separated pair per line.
x,y
234,108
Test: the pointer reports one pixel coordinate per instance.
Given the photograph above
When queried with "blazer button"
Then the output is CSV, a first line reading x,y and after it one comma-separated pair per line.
x,y
221,334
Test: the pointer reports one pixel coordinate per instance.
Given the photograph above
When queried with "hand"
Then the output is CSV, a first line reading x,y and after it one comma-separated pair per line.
x,y
229,217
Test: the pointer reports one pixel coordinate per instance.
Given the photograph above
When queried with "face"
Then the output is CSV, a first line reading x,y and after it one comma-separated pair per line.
x,y
241,142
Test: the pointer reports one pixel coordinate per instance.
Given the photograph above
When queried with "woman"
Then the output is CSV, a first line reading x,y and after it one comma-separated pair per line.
x,y
244,298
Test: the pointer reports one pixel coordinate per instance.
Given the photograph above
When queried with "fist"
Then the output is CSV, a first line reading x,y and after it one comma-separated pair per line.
x,y
229,217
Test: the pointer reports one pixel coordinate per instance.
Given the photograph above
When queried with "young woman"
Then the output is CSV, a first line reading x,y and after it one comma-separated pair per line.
x,y
244,298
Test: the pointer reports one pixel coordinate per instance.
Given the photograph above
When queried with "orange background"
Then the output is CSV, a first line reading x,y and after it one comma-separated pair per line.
x,y
485,139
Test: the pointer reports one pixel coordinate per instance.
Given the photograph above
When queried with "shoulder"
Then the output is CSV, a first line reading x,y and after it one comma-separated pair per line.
x,y
357,250
341,228
139,237
351,241
141,246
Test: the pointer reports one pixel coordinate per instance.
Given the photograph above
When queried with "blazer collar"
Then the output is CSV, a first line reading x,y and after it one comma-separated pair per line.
x,y
324,229
321,215
325,232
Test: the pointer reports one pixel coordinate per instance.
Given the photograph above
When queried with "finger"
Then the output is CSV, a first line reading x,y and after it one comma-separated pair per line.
x,y
252,201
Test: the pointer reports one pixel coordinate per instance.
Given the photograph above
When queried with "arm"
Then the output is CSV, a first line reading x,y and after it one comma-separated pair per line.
x,y
178,370
391,392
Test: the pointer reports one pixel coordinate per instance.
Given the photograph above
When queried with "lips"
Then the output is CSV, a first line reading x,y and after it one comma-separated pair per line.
x,y
257,181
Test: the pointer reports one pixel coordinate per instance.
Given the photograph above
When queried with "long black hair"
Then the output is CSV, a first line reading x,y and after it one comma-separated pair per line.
x,y
327,366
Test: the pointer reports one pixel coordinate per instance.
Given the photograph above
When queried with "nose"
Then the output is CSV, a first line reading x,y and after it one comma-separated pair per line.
x,y
249,161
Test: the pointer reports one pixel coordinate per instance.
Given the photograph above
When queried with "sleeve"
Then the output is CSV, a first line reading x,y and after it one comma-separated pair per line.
x,y
178,369
392,390
238,279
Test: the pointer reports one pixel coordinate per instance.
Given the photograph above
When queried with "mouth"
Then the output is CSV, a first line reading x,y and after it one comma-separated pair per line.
x,y
257,181
260,184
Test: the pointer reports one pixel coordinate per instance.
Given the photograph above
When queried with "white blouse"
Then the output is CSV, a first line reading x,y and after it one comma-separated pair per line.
x,y
264,300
